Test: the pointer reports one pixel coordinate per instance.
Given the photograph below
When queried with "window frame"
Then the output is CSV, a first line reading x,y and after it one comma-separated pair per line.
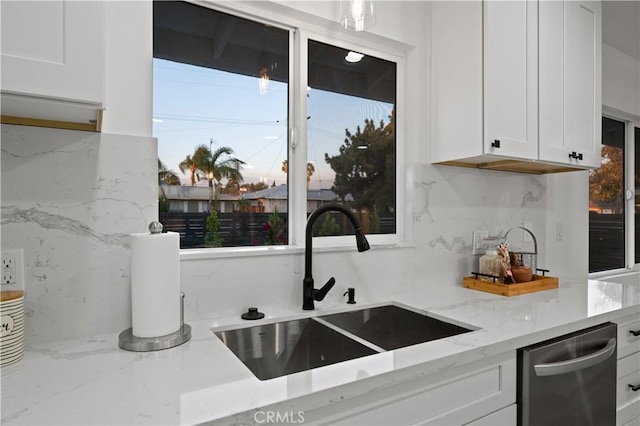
x,y
300,31
630,194
629,205
298,200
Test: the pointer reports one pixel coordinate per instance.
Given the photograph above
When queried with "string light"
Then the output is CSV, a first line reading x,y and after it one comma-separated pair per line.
x,y
263,81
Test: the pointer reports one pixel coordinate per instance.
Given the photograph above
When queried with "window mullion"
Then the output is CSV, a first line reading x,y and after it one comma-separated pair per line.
x,y
298,144
630,173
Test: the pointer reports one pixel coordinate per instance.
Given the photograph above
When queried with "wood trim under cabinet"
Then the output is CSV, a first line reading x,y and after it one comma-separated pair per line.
x,y
517,166
54,124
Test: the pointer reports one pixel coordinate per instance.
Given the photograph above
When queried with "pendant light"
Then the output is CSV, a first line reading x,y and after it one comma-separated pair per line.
x,y
357,15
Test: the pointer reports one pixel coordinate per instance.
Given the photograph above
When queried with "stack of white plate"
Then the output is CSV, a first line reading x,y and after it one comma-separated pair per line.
x,y
11,326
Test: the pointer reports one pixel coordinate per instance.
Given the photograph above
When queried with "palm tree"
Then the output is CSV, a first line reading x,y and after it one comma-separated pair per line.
x,y
165,177
213,166
310,170
234,181
189,164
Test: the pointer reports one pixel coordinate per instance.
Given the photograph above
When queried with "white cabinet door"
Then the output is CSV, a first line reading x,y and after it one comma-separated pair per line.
x,y
510,79
453,396
534,100
570,93
551,81
456,116
583,79
53,49
508,416
628,401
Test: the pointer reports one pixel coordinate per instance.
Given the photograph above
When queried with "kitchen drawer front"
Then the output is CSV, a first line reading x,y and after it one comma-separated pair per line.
x,y
508,416
628,414
629,365
627,342
628,401
458,396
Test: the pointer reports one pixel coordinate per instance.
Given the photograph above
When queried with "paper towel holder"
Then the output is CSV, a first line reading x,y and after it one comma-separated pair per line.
x,y
129,342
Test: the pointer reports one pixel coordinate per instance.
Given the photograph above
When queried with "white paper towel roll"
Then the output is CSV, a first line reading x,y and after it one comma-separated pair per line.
x,y
155,284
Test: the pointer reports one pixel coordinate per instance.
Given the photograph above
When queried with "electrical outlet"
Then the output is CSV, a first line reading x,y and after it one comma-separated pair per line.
x,y
8,269
526,236
12,270
8,276
559,231
478,241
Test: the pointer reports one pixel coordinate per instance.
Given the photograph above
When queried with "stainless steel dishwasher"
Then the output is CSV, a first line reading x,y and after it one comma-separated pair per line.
x,y
570,380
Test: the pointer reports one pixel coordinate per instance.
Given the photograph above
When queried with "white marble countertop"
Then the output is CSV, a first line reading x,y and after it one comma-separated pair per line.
x,y
93,382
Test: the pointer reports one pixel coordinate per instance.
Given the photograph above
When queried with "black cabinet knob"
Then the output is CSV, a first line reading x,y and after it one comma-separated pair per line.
x,y
495,143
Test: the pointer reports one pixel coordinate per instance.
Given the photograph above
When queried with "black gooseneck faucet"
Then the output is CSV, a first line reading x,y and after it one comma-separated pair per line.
x,y
309,294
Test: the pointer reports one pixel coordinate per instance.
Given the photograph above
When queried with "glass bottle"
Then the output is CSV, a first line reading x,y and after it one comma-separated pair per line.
x,y
490,264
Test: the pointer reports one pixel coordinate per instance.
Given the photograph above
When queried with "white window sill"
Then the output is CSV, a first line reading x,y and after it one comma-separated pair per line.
x,y
230,252
613,272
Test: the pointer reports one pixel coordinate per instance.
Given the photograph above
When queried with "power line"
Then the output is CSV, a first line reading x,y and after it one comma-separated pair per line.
x,y
265,147
179,117
275,159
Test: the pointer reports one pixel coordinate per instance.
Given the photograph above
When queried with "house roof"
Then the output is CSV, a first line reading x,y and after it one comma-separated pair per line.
x,y
280,192
178,192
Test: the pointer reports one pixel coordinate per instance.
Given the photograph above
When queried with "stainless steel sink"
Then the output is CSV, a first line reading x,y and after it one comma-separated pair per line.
x,y
391,327
287,347
274,350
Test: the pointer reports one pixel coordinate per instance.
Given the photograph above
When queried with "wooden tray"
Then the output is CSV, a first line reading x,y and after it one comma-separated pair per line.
x,y
539,283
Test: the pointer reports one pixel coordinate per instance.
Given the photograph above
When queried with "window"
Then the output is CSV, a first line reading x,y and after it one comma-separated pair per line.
x,y
614,235
224,91
351,144
606,201
220,112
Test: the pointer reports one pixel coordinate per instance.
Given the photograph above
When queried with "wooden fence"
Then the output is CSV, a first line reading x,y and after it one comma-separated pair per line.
x,y
246,229
606,242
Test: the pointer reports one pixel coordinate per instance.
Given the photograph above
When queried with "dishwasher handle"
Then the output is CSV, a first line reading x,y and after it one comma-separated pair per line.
x,y
571,365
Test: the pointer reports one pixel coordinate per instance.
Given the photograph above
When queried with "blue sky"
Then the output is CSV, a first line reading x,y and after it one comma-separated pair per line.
x,y
193,105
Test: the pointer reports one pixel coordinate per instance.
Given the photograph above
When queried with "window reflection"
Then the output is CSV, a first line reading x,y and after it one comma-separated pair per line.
x,y
220,108
606,201
351,141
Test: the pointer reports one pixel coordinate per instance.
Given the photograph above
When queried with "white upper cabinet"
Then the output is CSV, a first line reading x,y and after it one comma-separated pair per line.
x,y
52,60
516,85
510,79
570,82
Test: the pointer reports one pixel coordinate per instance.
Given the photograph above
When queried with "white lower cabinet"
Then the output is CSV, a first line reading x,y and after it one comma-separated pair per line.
x,y
628,375
628,400
507,416
455,396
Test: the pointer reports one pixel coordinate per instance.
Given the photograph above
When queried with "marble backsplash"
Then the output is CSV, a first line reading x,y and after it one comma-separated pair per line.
x,y
70,200
446,204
